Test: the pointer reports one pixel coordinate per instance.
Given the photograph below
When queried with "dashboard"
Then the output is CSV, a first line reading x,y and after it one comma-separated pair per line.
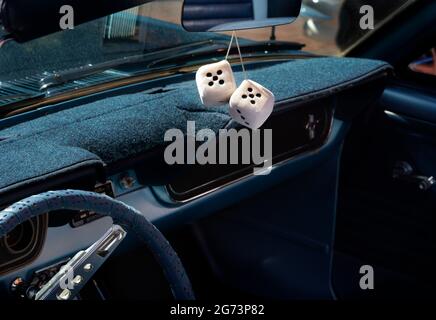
x,y
308,130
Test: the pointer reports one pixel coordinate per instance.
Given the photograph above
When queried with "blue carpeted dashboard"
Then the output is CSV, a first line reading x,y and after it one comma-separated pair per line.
x,y
116,128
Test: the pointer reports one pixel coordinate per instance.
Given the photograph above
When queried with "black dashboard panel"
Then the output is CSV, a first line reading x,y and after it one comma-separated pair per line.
x,y
296,129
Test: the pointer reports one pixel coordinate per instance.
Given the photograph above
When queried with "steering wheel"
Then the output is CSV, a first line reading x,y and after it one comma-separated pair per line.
x,y
124,218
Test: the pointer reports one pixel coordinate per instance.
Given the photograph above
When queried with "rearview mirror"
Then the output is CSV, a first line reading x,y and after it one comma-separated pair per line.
x,y
229,15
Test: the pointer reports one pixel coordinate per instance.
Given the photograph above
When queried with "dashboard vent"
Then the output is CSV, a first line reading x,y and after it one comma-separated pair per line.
x,y
101,77
10,93
19,89
29,84
30,87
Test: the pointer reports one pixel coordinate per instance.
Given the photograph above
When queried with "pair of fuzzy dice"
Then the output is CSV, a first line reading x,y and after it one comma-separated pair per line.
x,y
215,83
250,104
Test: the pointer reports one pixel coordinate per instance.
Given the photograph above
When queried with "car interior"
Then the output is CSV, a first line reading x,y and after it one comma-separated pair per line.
x,y
89,201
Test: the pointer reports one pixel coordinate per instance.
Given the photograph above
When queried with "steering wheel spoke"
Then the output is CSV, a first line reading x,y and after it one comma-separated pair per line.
x,y
73,276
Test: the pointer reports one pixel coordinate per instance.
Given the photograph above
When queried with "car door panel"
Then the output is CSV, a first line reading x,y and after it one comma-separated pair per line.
x,y
384,221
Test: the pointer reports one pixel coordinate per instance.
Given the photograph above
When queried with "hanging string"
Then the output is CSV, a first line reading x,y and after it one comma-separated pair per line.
x,y
240,56
234,36
230,45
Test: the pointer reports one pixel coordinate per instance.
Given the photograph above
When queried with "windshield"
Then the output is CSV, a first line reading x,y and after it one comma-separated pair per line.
x,y
326,27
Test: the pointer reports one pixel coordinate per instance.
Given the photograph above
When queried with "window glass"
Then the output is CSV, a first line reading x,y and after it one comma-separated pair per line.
x,y
326,27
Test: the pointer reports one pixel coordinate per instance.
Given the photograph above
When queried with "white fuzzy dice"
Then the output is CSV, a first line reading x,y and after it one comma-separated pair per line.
x,y
215,83
251,104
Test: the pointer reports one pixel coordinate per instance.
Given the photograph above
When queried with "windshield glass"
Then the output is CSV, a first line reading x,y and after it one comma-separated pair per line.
x,y
326,27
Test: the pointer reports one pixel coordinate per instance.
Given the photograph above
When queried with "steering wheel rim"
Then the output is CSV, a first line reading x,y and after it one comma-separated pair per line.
x,y
126,216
